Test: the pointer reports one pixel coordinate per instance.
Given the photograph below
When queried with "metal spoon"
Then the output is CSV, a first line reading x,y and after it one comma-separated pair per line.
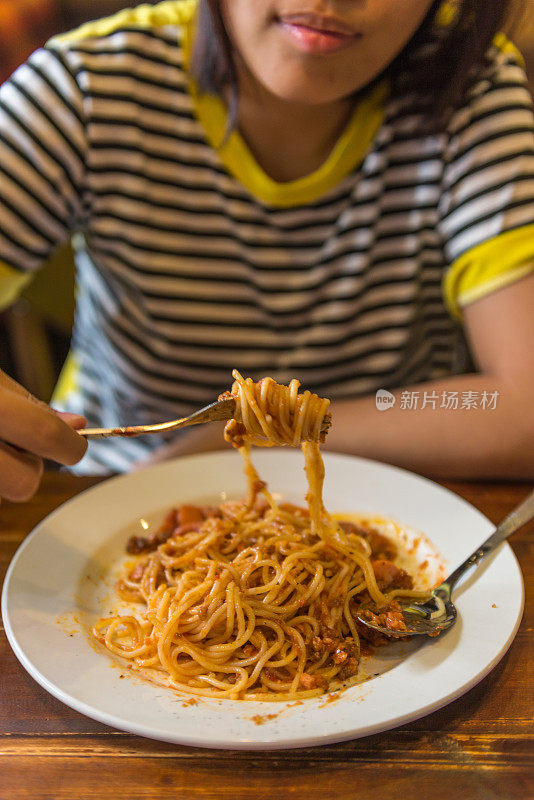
x,y
435,615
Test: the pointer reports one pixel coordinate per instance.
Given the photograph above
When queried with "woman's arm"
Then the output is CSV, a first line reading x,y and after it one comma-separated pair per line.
x,y
460,442
481,442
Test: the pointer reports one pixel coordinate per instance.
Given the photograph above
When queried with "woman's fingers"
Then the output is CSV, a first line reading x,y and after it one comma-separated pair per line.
x,y
74,421
29,432
9,383
20,474
33,427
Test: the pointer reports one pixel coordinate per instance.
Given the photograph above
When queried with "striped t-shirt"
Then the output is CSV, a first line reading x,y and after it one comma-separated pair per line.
x,y
192,261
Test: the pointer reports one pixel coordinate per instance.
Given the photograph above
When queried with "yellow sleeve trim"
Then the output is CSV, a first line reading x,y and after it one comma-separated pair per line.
x,y
487,267
67,381
169,12
12,283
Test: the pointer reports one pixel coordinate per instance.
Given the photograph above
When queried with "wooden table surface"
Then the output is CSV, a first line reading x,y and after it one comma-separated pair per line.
x,y
480,746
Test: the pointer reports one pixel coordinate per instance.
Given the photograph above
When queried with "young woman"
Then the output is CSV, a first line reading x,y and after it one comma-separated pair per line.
x,y
330,190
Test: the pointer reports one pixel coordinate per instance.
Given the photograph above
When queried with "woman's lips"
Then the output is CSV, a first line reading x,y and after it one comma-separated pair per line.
x,y
317,37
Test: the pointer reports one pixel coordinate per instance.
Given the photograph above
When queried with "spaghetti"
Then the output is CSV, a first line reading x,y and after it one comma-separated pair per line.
x,y
255,600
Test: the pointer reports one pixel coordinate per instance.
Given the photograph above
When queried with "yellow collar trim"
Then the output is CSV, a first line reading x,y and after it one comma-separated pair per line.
x,y
235,155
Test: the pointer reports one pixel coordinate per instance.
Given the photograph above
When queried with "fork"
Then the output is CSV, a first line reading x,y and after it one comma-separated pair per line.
x,y
221,410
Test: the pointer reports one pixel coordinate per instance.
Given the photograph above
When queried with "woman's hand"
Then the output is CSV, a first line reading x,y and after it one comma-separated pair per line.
x,y
29,432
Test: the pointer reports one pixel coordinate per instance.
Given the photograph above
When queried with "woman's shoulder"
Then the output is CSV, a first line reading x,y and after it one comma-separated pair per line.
x,y
168,22
500,86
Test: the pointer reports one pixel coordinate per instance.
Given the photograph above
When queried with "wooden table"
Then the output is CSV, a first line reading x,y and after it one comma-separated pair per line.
x,y
477,747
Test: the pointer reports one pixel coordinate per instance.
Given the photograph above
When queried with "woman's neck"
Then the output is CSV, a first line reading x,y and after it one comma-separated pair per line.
x,y
288,140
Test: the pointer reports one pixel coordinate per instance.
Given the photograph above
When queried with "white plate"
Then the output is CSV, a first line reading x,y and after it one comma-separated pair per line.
x,y
52,594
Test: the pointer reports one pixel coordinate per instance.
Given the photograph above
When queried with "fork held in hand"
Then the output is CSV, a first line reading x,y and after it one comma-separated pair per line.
x,y
221,410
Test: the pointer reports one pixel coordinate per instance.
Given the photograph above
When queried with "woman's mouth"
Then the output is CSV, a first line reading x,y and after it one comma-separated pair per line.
x,y
317,35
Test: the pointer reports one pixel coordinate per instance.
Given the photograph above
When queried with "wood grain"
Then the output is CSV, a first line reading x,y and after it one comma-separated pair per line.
x,y
480,746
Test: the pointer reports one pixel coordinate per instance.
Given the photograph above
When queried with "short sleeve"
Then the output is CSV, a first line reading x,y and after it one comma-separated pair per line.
x,y
486,211
42,165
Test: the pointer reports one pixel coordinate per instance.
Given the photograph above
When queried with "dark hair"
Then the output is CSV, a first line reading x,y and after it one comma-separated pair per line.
x,y
450,67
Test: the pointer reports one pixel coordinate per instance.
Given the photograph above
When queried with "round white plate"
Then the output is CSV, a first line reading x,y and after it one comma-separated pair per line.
x,y
59,583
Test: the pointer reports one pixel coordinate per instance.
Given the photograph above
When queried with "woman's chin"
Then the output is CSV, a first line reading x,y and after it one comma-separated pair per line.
x,y
303,91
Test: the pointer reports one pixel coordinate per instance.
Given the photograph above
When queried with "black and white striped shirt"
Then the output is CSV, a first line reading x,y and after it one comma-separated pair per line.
x,y
191,261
